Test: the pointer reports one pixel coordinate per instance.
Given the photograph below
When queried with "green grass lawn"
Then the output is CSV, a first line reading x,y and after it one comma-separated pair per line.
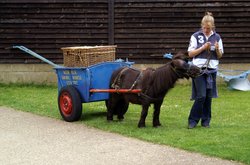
x,y
228,137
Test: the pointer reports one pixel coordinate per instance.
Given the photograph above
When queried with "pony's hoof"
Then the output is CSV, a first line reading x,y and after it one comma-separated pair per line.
x,y
140,125
157,125
120,118
109,119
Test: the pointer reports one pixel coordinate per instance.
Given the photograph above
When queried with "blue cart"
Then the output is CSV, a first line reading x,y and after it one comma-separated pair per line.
x,y
77,85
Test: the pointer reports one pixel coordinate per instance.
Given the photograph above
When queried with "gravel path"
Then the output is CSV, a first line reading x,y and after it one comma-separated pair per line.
x,y
30,139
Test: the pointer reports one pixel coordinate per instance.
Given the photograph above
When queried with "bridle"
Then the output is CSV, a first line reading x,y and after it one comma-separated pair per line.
x,y
179,73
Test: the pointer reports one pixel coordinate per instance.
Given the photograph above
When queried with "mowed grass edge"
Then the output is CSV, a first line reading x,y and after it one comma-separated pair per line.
x,y
228,137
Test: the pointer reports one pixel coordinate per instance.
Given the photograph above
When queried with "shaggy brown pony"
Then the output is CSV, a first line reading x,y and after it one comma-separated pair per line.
x,y
154,85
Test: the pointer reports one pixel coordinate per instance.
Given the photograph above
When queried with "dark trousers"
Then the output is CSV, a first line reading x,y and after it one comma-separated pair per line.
x,y
201,109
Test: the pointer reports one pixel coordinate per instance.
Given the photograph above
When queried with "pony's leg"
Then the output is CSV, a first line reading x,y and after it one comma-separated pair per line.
x,y
122,109
111,104
156,115
109,110
144,114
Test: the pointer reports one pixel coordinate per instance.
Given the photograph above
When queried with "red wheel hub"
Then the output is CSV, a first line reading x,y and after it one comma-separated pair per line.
x,y
66,104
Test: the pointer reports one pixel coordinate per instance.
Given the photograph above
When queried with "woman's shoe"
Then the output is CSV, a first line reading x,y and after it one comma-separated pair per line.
x,y
191,125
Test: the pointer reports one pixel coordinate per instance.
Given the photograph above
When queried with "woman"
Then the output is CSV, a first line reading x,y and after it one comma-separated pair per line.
x,y
206,49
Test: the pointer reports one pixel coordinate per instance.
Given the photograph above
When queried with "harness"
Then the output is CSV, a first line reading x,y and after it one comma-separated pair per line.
x,y
117,83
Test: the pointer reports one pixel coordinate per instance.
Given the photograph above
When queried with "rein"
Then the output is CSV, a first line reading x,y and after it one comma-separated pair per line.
x,y
206,64
208,59
208,72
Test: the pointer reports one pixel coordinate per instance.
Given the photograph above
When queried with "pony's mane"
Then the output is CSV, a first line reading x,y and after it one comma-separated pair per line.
x,y
162,80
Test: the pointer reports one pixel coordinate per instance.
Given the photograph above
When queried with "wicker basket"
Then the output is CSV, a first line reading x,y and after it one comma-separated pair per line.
x,y
84,56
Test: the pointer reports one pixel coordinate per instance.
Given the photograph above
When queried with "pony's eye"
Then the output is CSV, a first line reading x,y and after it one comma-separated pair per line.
x,y
186,60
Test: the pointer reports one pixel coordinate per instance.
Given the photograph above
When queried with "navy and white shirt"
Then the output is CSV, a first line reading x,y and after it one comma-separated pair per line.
x,y
197,40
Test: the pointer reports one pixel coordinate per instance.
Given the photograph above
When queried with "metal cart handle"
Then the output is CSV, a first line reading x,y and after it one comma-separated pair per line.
x,y
23,48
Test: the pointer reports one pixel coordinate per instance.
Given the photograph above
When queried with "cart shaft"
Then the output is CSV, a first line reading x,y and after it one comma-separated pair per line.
x,y
23,48
116,90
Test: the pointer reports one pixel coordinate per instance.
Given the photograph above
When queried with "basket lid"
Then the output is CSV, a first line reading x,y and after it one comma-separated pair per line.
x,y
89,47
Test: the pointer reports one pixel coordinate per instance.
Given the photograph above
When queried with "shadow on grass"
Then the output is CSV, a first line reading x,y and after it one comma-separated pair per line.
x,y
87,116
92,115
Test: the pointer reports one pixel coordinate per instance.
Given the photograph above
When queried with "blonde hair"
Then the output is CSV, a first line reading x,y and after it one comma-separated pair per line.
x,y
208,19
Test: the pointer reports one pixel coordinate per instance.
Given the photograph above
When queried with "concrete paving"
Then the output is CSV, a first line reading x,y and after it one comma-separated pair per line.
x,y
27,139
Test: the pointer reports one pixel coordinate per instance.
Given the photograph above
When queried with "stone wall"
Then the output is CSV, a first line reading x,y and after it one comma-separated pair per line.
x,y
27,73
44,73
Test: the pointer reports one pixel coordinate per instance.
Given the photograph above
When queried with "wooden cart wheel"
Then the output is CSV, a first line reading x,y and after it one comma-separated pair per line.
x,y
69,103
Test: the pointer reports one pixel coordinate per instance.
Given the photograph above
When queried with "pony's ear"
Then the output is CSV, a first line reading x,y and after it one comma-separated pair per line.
x,y
181,55
178,63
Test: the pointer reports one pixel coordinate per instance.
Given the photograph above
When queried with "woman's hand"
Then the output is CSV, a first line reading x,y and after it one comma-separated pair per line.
x,y
195,52
207,46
